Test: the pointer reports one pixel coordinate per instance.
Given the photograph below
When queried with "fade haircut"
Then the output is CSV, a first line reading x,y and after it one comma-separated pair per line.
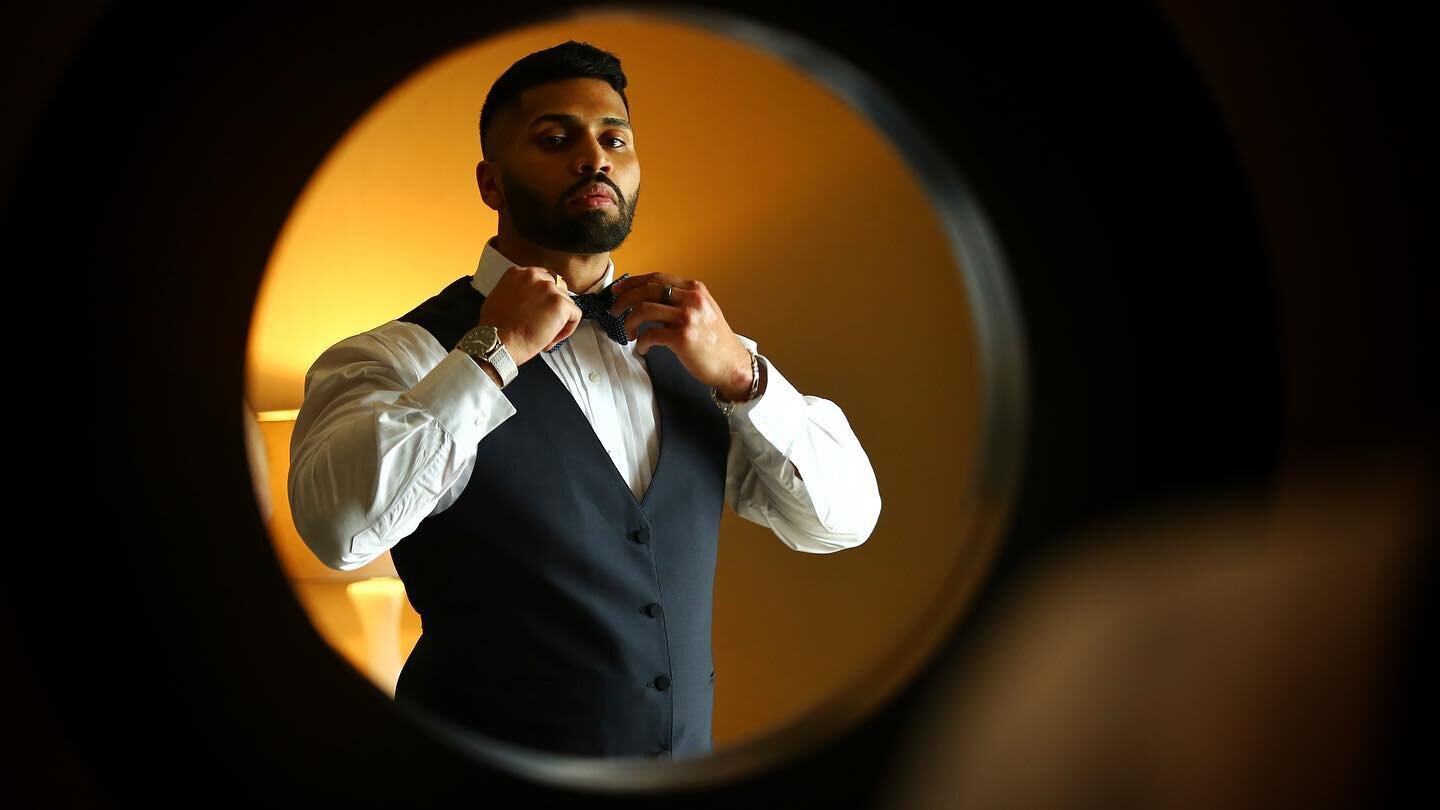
x,y
568,60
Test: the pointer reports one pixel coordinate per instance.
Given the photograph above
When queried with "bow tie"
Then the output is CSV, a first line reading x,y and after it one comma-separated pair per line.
x,y
596,306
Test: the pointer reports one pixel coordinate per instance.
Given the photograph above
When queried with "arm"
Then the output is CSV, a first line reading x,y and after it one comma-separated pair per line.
x,y
389,422
776,436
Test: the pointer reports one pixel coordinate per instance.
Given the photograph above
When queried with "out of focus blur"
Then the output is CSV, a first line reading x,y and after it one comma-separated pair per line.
x,y
1237,649
1215,587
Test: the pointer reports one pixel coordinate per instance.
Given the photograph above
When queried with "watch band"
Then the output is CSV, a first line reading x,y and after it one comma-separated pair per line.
x,y
483,343
504,364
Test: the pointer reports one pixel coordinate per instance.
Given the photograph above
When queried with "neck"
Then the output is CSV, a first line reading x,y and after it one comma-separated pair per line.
x,y
580,270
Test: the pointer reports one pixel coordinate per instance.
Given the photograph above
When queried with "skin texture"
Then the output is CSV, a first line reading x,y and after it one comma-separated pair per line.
x,y
532,172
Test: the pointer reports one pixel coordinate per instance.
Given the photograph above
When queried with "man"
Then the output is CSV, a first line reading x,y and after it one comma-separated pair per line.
x,y
555,522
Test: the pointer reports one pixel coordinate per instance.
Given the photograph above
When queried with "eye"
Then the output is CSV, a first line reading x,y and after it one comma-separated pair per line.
x,y
555,140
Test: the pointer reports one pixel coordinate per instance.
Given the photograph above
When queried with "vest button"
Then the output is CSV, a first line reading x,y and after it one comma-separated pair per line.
x,y
662,683
640,535
652,609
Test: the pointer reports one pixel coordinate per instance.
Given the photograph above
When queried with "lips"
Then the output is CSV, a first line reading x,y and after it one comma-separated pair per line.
x,y
597,190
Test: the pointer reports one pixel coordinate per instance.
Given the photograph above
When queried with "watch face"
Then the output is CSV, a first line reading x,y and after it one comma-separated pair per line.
x,y
486,338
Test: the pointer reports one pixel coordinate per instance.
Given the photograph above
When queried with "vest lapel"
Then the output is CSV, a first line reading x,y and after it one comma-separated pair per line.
x,y
454,312
662,365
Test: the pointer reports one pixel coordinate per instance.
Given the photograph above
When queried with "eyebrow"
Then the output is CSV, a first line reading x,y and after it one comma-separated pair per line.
x,y
563,118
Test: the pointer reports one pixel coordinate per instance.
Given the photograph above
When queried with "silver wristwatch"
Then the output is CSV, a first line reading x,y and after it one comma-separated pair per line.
x,y
484,342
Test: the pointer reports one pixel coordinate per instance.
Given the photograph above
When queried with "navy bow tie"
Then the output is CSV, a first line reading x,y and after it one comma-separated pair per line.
x,y
596,306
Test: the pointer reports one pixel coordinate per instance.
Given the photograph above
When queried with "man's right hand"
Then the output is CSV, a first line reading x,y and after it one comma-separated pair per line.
x,y
530,311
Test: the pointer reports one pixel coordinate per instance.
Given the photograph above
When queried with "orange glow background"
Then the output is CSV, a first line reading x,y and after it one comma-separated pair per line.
x,y
813,235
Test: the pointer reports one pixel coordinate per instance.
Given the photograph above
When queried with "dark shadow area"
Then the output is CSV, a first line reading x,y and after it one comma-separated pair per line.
x,y
1216,218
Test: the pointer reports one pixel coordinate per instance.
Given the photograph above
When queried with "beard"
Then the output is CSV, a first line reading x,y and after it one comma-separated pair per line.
x,y
567,228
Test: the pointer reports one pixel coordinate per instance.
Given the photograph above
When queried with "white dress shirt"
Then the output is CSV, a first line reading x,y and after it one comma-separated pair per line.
x,y
387,434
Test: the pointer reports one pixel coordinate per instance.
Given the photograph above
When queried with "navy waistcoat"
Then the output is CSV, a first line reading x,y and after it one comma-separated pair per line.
x,y
557,611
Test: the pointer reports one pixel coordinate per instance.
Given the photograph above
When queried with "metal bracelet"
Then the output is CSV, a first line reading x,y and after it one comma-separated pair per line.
x,y
727,407
754,377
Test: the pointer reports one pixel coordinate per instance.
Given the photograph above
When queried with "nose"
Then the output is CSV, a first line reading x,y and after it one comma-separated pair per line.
x,y
593,159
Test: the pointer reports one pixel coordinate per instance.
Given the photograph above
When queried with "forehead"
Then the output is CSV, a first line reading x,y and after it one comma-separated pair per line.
x,y
590,100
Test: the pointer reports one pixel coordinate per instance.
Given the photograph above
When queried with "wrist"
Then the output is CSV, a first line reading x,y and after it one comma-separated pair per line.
x,y
489,370
487,349
748,383
738,390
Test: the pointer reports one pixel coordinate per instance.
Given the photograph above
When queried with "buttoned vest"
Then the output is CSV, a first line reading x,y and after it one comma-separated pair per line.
x,y
557,611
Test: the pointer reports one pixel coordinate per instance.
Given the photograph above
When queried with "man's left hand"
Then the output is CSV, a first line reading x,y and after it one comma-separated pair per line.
x,y
694,329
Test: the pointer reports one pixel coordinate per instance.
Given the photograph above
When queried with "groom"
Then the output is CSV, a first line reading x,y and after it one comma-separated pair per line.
x,y
550,485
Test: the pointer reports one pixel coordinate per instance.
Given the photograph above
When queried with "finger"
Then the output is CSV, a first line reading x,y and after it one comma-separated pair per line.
x,y
572,322
572,310
571,325
629,282
661,279
662,336
565,332
648,311
634,296
654,281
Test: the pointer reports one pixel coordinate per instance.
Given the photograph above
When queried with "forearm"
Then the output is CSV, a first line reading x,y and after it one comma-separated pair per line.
x,y
374,448
355,484
776,437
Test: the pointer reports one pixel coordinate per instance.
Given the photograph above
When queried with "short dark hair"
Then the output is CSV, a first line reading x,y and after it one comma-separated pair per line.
x,y
568,60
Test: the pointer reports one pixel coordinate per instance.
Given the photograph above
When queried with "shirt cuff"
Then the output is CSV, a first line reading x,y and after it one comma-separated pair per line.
x,y
777,415
462,398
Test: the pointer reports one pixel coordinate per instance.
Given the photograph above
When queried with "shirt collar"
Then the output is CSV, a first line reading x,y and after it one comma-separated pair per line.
x,y
493,265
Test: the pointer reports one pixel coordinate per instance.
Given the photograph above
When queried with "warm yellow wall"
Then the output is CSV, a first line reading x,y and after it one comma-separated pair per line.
x,y
815,239
321,590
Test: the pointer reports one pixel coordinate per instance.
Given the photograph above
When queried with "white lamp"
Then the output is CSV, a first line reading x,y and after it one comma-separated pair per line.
x,y
378,601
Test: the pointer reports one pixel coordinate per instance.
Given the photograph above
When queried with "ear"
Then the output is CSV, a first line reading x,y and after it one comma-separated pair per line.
x,y
487,179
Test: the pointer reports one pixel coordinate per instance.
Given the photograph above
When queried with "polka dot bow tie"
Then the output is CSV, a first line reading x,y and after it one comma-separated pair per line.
x,y
596,306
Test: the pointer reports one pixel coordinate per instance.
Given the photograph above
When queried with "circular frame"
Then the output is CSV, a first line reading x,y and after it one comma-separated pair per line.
x,y
155,232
